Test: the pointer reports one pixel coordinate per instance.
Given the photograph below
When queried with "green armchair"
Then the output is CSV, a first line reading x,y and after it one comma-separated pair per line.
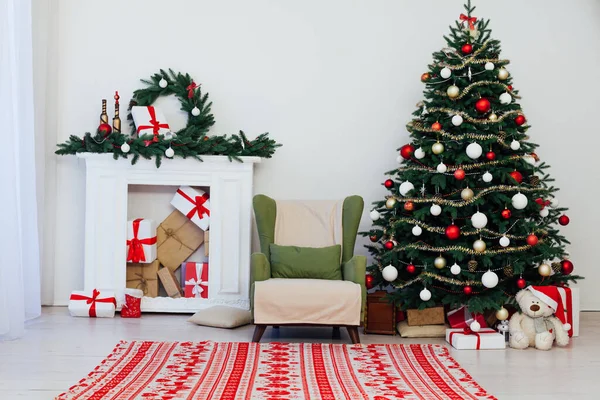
x,y
277,301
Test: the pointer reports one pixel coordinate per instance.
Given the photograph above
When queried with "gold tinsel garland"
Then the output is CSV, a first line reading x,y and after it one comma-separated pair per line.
x,y
463,203
451,281
471,59
472,120
467,167
465,250
467,89
476,232
500,137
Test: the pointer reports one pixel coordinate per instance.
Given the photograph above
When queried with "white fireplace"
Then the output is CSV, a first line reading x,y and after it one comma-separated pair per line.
x,y
230,183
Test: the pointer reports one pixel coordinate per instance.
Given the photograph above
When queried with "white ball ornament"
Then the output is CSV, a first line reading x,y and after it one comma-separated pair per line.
x,y
163,83
475,326
504,241
544,213
455,269
169,152
389,273
554,202
457,120
503,74
425,294
489,66
479,220
399,159
487,177
474,151
125,148
479,246
529,159
417,230
419,153
437,148
453,91
195,111
441,168
406,187
446,73
515,145
505,98
435,210
519,201
374,214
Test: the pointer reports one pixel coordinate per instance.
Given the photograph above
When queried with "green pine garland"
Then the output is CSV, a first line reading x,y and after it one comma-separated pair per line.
x,y
189,142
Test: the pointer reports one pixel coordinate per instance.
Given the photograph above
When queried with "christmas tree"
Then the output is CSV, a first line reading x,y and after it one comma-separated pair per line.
x,y
471,213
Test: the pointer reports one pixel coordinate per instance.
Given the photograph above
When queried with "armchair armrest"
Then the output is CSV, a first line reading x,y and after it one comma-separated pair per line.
x,y
354,271
260,270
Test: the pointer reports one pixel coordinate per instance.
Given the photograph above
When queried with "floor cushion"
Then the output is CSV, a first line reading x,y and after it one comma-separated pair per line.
x,y
221,317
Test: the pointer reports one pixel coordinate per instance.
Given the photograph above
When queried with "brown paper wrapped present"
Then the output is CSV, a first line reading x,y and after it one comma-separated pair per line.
x,y
169,282
143,277
178,238
206,244
427,316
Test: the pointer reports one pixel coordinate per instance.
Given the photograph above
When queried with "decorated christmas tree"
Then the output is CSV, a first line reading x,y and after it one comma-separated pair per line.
x,y
471,213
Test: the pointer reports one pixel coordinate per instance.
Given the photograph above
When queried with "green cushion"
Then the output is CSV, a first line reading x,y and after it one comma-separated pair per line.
x,y
306,262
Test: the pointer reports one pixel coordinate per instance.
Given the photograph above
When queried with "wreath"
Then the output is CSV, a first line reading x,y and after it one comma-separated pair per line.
x,y
191,141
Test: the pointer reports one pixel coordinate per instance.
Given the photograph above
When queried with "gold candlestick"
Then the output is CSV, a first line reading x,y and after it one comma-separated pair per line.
x,y
117,119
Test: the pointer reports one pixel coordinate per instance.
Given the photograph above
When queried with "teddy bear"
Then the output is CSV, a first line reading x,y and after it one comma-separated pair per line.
x,y
541,320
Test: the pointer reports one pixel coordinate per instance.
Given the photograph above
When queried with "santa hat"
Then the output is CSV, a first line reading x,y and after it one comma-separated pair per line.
x,y
552,296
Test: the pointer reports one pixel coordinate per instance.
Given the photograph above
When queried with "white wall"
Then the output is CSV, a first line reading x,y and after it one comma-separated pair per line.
x,y
334,81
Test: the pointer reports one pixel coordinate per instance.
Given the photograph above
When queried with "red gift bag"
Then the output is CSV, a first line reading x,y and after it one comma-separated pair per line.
x,y
132,308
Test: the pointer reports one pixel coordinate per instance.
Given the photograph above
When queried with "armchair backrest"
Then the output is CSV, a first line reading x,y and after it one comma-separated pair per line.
x,y
308,223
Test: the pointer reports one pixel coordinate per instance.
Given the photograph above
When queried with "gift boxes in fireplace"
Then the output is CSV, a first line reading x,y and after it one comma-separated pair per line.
x,y
155,253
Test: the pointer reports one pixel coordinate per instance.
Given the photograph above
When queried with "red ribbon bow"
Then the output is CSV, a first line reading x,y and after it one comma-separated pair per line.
x,y
136,250
198,204
467,331
542,203
93,300
191,88
154,125
470,20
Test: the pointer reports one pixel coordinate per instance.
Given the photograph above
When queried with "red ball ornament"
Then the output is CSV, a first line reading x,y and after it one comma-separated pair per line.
x,y
389,184
490,155
105,129
411,269
564,220
520,120
521,283
468,290
532,240
369,280
566,266
436,126
389,245
517,176
506,213
467,48
460,174
510,87
482,106
409,206
407,151
453,232
373,238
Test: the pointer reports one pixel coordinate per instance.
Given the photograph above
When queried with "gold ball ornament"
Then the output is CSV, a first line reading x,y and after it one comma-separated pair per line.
x,y
502,314
437,148
439,262
479,246
390,203
493,117
503,74
472,265
545,270
467,194
453,91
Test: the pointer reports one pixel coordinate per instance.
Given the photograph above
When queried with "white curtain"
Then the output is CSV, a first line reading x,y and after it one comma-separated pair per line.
x,y
19,238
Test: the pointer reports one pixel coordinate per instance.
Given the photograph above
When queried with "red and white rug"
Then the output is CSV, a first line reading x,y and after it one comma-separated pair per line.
x,y
276,371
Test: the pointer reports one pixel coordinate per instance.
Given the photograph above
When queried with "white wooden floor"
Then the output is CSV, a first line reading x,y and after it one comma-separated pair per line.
x,y
59,350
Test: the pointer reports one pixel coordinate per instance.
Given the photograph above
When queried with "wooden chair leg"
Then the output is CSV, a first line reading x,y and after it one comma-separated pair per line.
x,y
258,332
353,332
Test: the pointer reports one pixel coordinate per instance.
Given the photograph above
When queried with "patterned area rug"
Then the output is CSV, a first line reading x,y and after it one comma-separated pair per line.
x,y
276,371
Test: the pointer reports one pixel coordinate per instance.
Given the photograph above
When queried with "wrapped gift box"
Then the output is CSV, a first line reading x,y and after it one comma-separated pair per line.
x,y
143,277
195,278
141,241
149,121
133,302
169,282
206,243
462,318
465,339
427,316
194,204
421,331
92,303
570,298
178,238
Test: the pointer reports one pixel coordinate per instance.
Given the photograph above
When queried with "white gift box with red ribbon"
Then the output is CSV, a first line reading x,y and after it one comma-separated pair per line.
x,y
194,204
570,299
149,121
92,303
141,241
466,339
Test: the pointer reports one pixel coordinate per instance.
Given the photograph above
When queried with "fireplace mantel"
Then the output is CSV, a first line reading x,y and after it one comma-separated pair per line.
x,y
230,185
